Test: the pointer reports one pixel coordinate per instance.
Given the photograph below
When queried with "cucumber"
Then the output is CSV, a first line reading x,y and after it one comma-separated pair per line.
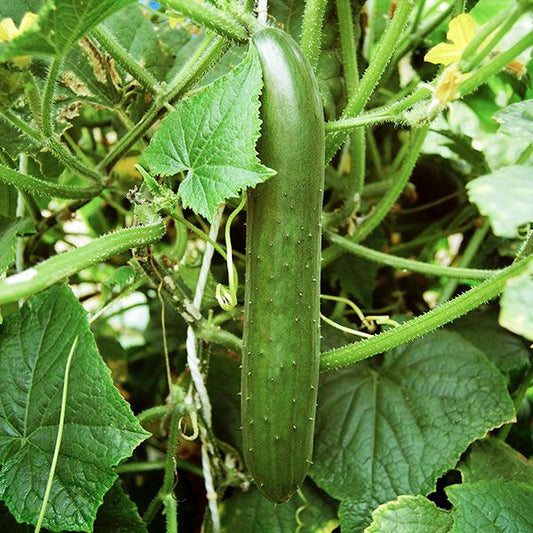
x,y
282,288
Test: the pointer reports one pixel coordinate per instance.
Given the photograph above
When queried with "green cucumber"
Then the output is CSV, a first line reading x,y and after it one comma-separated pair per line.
x,y
282,290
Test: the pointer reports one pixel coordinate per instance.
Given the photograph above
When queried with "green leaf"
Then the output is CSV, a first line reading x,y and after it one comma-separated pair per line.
x,y
516,310
118,513
289,13
517,119
408,514
493,460
357,276
505,197
16,9
212,136
223,385
250,512
484,10
462,146
492,506
507,351
488,460
61,23
100,429
136,34
391,430
10,229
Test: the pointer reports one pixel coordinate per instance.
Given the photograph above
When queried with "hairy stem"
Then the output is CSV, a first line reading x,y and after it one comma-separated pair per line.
x,y
60,267
400,263
470,252
360,97
124,59
312,30
37,186
48,97
423,324
211,17
494,66
392,194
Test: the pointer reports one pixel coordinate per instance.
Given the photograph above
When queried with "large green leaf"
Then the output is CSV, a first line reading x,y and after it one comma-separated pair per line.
x,y
10,229
251,513
517,119
492,506
100,429
394,429
410,514
507,351
61,23
505,197
118,513
212,137
493,460
516,310
494,474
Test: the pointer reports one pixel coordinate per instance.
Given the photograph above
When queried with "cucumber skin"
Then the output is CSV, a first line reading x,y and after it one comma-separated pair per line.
x,y
282,290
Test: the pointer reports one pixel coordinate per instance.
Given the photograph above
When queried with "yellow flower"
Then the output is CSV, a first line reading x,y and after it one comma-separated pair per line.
x,y
8,32
448,84
461,31
517,68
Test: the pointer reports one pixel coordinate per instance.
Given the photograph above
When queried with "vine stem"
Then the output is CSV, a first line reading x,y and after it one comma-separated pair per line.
x,y
19,252
193,362
166,493
262,11
470,251
211,17
391,195
55,146
59,437
400,263
357,138
59,267
386,113
487,48
423,324
313,20
37,186
382,56
211,48
494,66
126,61
48,97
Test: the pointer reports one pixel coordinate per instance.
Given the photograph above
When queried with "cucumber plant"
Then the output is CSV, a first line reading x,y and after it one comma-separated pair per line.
x,y
153,154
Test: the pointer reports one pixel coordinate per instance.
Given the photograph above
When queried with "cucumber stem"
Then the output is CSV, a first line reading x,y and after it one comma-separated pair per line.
x,y
423,324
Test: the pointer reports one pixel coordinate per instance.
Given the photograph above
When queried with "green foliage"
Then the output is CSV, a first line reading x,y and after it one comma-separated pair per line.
x,y
372,417
252,513
517,119
61,23
516,311
503,196
408,514
10,229
99,430
91,89
212,136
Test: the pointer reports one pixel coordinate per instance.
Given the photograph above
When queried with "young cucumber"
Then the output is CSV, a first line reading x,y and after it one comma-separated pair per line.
x,y
281,328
